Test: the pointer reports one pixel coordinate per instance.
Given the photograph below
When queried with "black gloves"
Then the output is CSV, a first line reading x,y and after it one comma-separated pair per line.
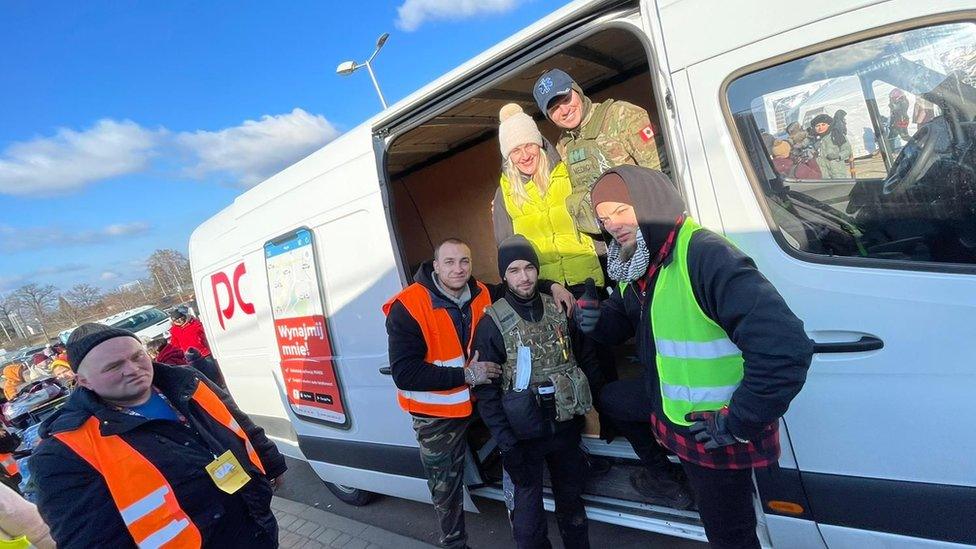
x,y
711,428
588,308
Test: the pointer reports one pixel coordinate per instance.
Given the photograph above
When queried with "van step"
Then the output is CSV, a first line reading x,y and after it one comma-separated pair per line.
x,y
672,522
619,448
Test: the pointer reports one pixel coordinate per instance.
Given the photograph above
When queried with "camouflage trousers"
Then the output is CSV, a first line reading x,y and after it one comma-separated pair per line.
x,y
443,447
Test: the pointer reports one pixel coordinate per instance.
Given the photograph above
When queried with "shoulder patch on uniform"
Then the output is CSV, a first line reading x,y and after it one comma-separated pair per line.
x,y
646,133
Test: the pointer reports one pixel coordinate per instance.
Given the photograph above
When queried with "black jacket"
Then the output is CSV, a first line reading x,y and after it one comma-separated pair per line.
x,y
731,291
75,502
490,344
407,347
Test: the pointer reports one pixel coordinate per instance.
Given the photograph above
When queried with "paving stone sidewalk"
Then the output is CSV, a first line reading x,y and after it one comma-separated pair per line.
x,y
301,526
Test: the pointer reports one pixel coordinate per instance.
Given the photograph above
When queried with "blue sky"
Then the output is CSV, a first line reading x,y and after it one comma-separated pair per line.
x,y
123,128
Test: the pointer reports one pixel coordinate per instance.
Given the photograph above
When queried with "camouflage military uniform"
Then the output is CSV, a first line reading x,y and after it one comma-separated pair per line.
x,y
625,135
442,450
611,134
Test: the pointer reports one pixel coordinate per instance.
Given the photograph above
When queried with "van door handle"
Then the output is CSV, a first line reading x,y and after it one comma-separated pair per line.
x,y
386,370
866,343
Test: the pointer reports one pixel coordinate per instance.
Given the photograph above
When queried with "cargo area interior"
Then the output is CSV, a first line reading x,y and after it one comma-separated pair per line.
x,y
442,177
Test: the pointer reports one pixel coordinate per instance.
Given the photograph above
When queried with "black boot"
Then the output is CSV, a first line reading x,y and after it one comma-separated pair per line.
x,y
659,488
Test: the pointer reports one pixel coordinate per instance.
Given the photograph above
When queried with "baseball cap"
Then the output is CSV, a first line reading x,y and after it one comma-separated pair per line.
x,y
552,84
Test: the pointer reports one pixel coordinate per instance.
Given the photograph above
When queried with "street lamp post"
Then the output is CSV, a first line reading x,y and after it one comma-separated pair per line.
x,y
348,67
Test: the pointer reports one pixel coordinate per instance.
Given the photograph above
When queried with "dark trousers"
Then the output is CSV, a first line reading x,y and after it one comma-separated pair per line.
x,y
724,499
561,453
443,445
627,405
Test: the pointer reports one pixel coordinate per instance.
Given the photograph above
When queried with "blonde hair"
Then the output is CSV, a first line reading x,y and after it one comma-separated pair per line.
x,y
540,178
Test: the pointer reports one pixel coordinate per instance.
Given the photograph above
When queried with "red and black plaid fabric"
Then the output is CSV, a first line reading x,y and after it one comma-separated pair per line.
x,y
762,452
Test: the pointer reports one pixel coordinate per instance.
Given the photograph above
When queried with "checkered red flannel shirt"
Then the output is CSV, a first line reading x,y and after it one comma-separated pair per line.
x,y
761,452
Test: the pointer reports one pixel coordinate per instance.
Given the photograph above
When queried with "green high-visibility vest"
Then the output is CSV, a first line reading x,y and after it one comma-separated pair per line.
x,y
698,366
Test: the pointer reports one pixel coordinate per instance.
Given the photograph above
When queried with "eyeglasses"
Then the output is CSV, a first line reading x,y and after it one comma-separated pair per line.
x,y
520,152
621,211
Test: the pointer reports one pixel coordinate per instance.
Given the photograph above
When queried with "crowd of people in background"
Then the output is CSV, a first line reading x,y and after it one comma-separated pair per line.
x,y
822,150
819,151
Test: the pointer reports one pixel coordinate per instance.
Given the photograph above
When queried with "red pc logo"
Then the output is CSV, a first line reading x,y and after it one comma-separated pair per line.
x,y
232,293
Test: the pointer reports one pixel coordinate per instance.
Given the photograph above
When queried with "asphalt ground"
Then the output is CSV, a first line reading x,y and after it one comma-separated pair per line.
x,y
489,528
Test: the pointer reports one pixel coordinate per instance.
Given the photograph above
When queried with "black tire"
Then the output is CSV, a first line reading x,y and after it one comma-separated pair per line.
x,y
350,495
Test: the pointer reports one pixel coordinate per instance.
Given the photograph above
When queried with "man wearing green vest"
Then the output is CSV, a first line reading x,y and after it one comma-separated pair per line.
x,y
595,138
723,354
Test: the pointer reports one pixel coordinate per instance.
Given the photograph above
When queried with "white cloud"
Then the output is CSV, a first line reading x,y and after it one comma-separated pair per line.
x,y
71,159
414,13
109,275
34,238
248,153
256,149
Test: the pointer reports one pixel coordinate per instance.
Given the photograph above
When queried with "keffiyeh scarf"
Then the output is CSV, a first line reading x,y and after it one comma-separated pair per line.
x,y
633,268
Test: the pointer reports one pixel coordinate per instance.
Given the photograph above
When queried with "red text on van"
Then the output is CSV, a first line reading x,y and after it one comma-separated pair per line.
x,y
233,293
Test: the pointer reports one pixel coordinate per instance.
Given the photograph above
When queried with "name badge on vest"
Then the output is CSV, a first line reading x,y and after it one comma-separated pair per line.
x,y
227,473
577,155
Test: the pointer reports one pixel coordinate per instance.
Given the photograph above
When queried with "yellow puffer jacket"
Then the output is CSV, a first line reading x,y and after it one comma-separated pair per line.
x,y
566,256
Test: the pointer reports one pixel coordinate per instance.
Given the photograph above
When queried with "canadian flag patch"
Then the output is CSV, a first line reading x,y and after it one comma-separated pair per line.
x,y
646,133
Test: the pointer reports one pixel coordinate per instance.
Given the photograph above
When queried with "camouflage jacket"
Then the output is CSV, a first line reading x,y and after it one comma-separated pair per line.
x,y
624,134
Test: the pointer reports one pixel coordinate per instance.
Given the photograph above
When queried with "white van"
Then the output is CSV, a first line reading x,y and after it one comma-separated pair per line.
x,y
879,448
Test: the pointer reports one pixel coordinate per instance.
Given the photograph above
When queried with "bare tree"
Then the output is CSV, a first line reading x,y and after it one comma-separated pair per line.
x,y
8,305
84,296
170,271
38,300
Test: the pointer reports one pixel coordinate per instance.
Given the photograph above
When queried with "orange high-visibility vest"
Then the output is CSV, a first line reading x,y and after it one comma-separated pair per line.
x,y
9,464
443,349
141,493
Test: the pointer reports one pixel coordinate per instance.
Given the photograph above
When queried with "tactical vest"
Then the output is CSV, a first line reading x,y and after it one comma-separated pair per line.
x,y
565,255
552,356
586,162
698,366
141,493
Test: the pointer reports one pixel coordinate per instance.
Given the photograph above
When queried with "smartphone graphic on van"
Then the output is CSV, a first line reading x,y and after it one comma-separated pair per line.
x,y
301,329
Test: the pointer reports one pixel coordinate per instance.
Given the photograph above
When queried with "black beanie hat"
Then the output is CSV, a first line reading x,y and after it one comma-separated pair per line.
x,y
514,248
85,337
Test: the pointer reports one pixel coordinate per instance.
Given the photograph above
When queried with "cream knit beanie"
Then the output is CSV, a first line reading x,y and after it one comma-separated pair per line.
x,y
516,128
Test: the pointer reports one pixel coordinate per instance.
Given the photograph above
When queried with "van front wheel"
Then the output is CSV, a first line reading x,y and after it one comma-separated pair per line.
x,y
350,495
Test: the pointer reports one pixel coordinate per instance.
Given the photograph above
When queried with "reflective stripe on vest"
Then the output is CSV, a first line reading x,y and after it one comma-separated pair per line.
x,y
443,349
698,365
144,498
9,464
211,403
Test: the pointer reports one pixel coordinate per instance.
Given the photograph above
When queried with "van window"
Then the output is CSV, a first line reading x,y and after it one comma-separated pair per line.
x,y
869,150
